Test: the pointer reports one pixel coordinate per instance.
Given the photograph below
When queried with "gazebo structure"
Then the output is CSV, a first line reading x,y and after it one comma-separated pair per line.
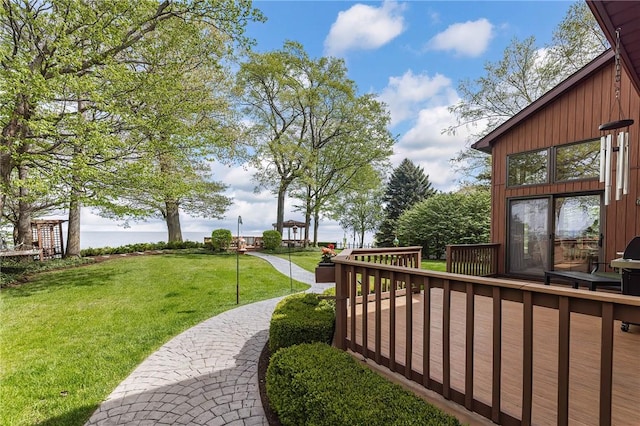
x,y
296,227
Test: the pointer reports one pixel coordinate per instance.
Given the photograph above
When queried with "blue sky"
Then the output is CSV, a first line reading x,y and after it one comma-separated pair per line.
x,y
412,54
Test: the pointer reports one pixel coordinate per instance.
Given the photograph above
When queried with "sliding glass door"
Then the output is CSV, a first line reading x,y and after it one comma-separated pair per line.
x,y
528,236
572,245
577,233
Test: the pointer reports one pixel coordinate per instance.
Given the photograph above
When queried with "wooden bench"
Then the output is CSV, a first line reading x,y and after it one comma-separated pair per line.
x,y
592,280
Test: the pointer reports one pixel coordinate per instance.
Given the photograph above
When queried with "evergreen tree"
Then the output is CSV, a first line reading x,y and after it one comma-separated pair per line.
x,y
407,186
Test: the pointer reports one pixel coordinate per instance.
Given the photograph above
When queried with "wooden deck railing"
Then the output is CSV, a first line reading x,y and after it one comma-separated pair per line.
x,y
473,259
411,319
409,257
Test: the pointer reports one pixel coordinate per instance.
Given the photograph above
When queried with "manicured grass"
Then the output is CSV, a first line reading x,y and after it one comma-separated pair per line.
x,y
309,260
68,338
434,265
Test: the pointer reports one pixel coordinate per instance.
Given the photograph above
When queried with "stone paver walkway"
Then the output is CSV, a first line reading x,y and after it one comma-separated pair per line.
x,y
207,375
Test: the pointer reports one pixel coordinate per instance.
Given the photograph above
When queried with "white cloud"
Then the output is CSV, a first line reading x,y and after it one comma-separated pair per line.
x,y
364,27
421,103
403,95
427,146
470,38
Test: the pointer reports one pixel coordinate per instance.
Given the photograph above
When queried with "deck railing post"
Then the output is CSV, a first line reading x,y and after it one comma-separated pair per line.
x,y
341,307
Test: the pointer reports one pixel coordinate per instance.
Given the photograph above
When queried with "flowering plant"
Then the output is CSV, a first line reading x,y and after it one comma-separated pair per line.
x,y
327,253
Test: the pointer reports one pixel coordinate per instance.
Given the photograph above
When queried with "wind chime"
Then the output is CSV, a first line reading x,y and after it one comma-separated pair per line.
x,y
611,132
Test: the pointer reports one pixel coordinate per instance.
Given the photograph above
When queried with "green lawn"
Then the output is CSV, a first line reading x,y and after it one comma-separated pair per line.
x,y
309,260
68,338
434,265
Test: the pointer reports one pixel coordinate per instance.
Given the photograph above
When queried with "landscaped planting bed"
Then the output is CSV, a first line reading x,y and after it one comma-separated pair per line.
x,y
316,384
309,382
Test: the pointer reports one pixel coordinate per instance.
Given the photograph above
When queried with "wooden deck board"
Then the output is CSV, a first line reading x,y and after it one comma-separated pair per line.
x,y
584,356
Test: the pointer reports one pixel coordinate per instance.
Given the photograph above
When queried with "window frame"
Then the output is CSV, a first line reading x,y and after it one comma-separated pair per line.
x,y
547,168
554,164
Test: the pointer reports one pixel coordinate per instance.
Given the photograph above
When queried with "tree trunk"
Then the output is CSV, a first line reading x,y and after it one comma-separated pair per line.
x,y
307,220
282,190
316,221
13,131
73,231
25,237
173,221
5,175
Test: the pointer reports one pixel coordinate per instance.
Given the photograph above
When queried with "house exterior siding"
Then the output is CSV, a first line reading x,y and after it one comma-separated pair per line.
x,y
571,117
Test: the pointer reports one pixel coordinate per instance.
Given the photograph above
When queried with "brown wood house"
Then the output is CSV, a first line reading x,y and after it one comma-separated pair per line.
x,y
519,352
549,210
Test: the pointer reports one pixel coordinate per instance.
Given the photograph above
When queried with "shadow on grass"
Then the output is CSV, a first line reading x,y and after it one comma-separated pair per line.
x,y
75,417
50,282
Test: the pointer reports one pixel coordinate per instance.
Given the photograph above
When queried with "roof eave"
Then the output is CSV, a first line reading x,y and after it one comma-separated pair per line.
x,y
487,141
599,11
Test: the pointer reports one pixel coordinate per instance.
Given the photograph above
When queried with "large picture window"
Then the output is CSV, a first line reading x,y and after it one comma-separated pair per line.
x,y
578,161
528,168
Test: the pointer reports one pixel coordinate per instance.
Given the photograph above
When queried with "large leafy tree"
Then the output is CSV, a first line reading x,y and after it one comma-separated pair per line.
x,y
304,112
358,208
407,186
183,118
525,72
461,217
60,63
347,162
270,84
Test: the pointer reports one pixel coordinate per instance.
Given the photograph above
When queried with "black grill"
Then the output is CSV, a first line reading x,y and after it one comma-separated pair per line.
x,y
633,249
631,277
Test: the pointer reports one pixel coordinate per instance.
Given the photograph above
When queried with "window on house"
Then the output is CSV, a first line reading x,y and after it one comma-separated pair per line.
x,y
527,168
578,161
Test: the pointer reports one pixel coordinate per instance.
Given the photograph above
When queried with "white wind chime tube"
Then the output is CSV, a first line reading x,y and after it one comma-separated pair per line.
x,y
627,165
620,166
607,172
603,156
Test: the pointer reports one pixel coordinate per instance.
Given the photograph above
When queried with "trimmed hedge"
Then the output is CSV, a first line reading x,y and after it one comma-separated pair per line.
x,y
221,239
316,384
301,318
271,240
141,247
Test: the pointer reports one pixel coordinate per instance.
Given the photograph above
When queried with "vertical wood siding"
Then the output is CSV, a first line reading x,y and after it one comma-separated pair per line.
x,y
573,117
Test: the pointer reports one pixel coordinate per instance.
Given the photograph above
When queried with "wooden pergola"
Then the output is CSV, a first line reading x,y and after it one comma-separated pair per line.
x,y
47,238
47,241
297,228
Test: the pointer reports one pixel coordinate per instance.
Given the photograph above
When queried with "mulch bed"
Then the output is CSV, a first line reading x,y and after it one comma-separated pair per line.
x,y
263,364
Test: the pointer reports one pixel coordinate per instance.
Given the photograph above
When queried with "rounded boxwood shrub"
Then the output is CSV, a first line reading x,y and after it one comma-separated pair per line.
x,y
221,239
316,384
301,318
271,240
